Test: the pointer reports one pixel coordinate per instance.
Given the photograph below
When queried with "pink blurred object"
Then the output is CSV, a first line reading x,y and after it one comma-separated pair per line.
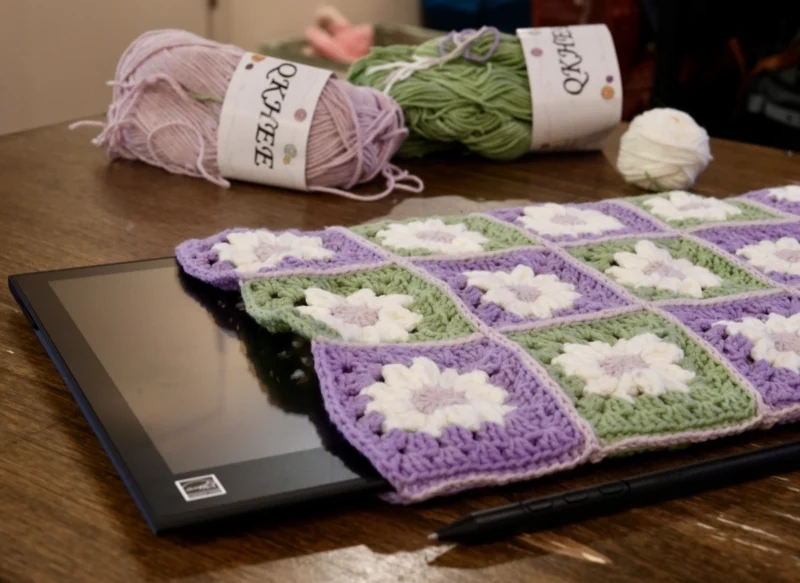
x,y
334,37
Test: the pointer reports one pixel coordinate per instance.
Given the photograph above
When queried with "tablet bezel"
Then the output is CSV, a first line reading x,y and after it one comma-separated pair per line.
x,y
304,477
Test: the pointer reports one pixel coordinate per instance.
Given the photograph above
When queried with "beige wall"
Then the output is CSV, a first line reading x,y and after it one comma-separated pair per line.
x,y
56,55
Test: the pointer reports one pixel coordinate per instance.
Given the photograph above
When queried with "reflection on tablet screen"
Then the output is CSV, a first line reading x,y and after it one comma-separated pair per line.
x,y
187,379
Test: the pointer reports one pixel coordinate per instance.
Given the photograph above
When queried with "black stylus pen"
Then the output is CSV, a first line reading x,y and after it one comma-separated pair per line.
x,y
540,513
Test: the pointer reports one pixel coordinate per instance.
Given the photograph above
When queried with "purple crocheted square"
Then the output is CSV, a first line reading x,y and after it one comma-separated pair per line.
x,y
764,196
595,295
539,436
635,222
779,387
734,238
199,259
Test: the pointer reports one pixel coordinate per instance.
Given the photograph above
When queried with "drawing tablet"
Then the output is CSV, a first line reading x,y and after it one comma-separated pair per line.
x,y
205,415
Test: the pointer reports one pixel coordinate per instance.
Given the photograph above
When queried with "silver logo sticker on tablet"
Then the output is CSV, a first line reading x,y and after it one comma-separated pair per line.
x,y
200,487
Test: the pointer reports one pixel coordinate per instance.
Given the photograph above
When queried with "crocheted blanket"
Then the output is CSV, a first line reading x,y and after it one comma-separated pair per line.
x,y
457,352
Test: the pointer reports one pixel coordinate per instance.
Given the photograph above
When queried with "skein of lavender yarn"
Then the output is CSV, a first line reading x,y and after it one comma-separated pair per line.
x,y
167,97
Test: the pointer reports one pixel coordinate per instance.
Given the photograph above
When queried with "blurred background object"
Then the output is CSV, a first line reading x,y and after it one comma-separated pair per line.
x,y
334,37
732,66
252,24
504,15
334,42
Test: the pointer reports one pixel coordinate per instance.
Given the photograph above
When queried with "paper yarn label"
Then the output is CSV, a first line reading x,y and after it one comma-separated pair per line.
x,y
576,91
265,121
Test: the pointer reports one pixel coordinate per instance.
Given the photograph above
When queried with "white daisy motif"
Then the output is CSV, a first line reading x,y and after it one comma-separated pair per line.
x,y
781,256
558,219
249,251
424,398
363,316
651,266
789,193
642,365
776,340
680,205
523,293
432,235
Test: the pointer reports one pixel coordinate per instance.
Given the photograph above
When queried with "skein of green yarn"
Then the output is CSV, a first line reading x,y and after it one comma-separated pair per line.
x,y
481,107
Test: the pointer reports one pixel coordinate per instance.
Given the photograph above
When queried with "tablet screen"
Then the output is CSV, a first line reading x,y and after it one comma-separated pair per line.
x,y
192,382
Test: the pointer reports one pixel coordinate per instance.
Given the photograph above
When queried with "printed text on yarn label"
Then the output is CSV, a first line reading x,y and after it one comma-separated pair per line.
x,y
265,121
576,92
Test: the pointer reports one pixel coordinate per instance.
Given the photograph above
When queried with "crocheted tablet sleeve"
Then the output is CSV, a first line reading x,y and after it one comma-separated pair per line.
x,y
456,352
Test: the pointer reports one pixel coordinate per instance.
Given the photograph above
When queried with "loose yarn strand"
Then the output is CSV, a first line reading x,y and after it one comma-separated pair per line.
x,y
393,176
218,180
113,130
402,70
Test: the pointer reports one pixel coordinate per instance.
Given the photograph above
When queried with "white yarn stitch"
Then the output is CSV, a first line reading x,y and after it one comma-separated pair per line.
x,y
663,149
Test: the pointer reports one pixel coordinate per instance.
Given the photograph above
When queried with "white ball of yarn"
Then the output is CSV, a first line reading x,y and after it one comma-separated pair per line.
x,y
663,149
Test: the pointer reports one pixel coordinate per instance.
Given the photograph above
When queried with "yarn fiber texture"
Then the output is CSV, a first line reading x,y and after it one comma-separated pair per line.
x,y
479,101
663,149
487,348
167,97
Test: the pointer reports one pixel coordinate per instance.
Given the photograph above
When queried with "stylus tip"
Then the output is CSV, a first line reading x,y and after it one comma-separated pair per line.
x,y
433,536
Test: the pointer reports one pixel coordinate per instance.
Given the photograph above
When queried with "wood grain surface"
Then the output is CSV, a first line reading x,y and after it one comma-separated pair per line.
x,y
66,516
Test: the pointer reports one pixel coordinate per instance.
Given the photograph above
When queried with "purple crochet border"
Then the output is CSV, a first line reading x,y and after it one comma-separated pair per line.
x,y
762,199
199,259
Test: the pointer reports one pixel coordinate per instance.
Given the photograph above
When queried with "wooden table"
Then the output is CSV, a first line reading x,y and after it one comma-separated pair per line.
x,y
65,514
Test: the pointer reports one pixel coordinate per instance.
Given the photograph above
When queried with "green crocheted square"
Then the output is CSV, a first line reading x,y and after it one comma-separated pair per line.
x,y
714,400
272,302
749,212
497,236
734,279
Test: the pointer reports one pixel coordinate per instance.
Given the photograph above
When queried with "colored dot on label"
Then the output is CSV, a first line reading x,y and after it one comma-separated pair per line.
x,y
248,66
537,52
290,151
300,115
610,79
607,92
287,160
256,58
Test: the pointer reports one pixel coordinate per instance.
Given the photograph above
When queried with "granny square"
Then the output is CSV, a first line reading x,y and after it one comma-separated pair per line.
x,y
641,381
758,335
495,421
772,248
682,210
516,287
669,267
465,351
391,303
579,222
224,259
443,236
